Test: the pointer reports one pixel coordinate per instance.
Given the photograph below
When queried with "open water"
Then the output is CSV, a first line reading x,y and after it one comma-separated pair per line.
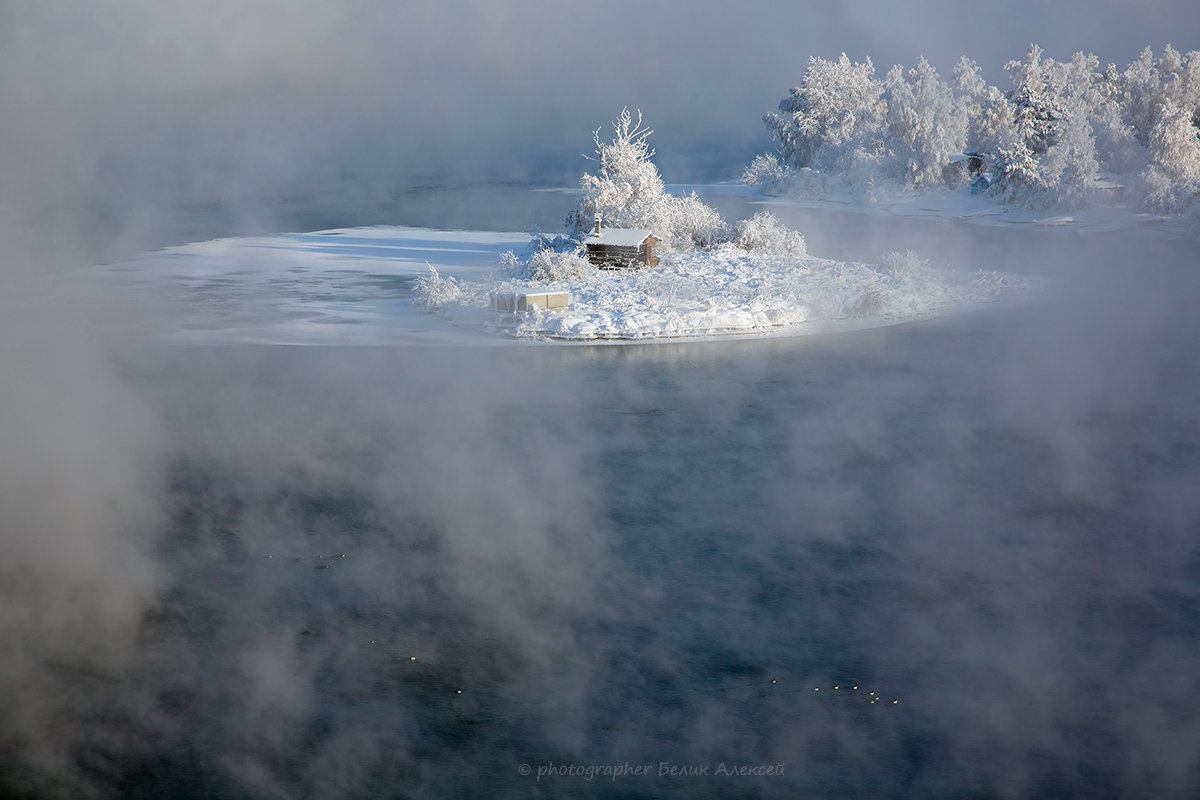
x,y
953,558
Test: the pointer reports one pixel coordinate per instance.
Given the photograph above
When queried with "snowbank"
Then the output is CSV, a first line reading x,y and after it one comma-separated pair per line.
x,y
728,291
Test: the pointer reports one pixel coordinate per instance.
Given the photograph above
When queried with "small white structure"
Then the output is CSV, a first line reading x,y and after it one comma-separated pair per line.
x,y
523,302
621,248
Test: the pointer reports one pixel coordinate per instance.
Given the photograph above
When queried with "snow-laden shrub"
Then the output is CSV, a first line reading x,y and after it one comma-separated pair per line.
x,y
548,241
764,170
901,263
764,233
550,258
434,291
550,265
510,264
628,193
687,222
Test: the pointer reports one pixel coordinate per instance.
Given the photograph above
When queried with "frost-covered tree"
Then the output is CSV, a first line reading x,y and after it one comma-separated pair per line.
x,y
1039,117
1071,164
1017,176
1160,102
628,183
1173,177
1141,94
838,104
1047,155
1117,146
925,125
1045,140
628,192
985,106
1036,109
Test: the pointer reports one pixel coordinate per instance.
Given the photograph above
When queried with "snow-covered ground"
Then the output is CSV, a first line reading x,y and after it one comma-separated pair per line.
x,y
356,286
728,291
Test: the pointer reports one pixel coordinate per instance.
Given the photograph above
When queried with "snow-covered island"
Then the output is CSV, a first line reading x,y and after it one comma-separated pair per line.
x,y
1069,146
710,279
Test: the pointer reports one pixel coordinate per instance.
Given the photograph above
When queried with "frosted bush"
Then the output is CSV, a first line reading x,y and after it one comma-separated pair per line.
x,y
899,263
764,170
434,291
686,222
510,264
556,242
764,233
550,265
551,258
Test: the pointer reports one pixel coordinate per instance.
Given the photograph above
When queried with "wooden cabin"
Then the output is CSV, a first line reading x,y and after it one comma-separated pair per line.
x,y
621,248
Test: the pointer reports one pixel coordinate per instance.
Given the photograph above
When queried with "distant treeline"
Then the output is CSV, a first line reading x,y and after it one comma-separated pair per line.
x,y
1047,141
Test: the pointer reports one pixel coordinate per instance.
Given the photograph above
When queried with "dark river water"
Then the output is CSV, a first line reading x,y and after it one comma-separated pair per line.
x,y
954,558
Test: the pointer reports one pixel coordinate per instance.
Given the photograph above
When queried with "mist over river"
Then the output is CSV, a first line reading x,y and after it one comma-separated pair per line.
x,y
956,557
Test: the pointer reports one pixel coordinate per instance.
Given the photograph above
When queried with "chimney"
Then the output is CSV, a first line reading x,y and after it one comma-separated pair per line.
x,y
597,224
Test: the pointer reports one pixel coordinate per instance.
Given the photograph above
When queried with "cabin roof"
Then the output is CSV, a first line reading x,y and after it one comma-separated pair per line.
x,y
620,237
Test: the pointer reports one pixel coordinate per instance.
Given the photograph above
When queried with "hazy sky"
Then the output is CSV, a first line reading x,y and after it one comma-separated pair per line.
x,y
120,109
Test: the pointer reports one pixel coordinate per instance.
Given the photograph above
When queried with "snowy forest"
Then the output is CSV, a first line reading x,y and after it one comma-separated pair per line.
x,y
1063,135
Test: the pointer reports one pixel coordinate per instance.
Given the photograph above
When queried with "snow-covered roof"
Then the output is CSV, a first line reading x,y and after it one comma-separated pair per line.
x,y
620,237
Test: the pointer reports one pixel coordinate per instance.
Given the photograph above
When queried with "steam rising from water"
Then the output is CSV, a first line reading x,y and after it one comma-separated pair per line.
x,y
610,554
409,571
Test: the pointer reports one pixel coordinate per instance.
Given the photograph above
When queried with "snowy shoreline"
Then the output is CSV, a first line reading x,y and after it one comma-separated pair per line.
x,y
959,205
358,286
355,286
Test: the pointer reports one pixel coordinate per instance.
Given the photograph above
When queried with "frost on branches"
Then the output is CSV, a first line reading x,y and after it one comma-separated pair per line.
x,y
628,193
764,233
845,123
1044,141
433,291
